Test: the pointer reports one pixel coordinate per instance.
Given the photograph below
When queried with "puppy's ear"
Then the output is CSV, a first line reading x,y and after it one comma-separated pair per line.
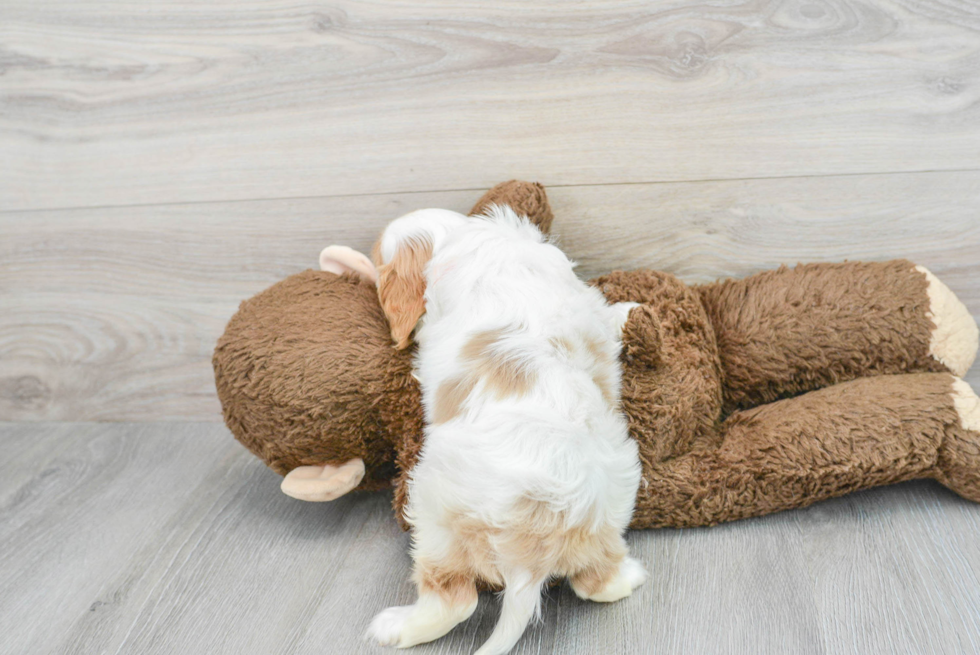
x,y
401,287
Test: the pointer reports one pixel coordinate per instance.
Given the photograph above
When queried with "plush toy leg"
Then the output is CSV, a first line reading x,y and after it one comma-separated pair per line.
x,y
323,483
855,435
784,332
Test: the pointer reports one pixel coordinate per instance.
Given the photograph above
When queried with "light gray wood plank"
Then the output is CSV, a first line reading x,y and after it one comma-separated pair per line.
x,y
703,231
163,538
107,103
738,588
112,314
96,357
895,570
81,503
257,569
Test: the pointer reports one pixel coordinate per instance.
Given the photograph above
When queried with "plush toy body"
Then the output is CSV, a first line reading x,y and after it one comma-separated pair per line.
x,y
745,396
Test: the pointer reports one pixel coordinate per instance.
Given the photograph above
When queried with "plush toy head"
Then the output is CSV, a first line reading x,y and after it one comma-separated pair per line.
x,y
335,361
342,404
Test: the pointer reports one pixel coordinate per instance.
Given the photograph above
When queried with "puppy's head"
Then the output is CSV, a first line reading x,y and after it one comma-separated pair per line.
x,y
401,255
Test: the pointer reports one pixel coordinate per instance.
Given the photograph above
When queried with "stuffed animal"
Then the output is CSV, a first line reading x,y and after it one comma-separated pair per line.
x,y
745,396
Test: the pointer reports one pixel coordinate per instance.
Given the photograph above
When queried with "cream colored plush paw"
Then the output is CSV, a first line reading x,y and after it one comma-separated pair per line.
x,y
955,340
967,405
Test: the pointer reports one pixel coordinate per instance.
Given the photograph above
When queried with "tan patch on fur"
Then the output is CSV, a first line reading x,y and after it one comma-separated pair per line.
x,y
594,348
541,541
481,344
401,288
450,397
605,388
594,577
537,540
502,374
562,344
451,579
472,554
601,363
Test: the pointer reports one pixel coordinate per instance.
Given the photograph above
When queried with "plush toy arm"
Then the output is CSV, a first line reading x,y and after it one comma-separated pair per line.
x,y
671,384
525,198
791,453
788,331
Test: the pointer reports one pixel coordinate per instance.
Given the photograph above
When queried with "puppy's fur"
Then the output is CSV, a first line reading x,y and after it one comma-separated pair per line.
x,y
527,472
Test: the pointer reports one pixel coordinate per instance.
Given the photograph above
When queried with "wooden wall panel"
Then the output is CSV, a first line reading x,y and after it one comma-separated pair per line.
x,y
120,103
112,313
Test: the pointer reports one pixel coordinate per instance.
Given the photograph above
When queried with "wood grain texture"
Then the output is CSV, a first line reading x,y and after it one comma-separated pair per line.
x,y
890,558
170,538
106,103
159,163
112,314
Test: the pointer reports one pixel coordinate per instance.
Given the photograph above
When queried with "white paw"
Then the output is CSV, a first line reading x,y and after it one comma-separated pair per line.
x,y
630,576
388,626
633,571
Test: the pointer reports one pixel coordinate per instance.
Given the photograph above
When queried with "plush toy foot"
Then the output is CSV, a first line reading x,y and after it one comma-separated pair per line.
x,y
959,455
956,338
323,483
967,405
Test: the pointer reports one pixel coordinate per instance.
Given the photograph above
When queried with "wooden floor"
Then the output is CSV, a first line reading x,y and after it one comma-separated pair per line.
x,y
168,538
160,162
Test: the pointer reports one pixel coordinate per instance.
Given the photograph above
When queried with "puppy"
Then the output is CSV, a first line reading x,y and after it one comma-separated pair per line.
x,y
527,471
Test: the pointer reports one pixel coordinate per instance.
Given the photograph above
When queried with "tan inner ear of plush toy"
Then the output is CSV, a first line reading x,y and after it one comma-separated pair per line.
x,y
323,483
341,259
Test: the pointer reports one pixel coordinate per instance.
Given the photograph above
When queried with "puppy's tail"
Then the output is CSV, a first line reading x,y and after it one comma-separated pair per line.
x,y
522,600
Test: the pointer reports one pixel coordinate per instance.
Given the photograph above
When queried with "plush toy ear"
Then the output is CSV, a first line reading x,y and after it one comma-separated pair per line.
x,y
401,287
341,259
323,483
525,198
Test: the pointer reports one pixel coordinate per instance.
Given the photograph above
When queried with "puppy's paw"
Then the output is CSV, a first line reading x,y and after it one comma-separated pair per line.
x,y
388,627
634,573
630,575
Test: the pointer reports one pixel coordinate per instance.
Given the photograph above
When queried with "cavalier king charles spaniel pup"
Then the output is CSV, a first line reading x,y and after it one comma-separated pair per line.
x,y
527,472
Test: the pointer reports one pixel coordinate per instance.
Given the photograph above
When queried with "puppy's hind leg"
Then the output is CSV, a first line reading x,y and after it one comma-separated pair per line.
x,y
446,598
522,598
610,574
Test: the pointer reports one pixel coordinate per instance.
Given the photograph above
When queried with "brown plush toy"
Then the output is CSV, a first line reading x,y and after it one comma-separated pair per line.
x,y
745,396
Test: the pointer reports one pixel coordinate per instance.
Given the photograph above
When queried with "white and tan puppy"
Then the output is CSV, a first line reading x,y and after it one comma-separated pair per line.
x,y
527,472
